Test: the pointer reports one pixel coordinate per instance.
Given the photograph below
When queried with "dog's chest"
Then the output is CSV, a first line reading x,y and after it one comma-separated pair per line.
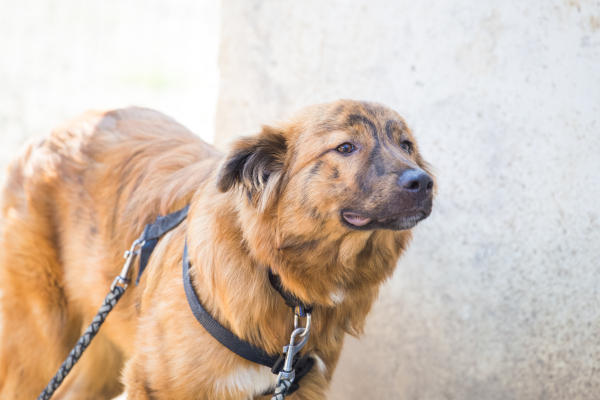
x,y
251,380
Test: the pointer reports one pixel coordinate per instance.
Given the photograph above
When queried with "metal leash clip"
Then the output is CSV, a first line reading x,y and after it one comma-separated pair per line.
x,y
287,372
123,278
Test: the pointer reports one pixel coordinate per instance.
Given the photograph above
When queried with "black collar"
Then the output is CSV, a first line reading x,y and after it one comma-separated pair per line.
x,y
300,308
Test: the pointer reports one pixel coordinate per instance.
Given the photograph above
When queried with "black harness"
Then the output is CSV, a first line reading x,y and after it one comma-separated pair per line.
x,y
302,365
290,369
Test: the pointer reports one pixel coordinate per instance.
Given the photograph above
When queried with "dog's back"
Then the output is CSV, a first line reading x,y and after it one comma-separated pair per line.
x,y
73,200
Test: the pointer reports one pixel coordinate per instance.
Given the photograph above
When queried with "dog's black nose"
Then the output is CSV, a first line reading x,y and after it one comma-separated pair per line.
x,y
416,182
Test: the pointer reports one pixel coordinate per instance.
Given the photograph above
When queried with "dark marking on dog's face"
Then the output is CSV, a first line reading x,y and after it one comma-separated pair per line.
x,y
362,167
355,164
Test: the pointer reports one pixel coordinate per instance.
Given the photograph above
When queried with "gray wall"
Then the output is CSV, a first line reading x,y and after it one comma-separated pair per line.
x,y
498,297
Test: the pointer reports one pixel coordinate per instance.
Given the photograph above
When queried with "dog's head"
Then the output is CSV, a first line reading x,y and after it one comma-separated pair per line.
x,y
347,165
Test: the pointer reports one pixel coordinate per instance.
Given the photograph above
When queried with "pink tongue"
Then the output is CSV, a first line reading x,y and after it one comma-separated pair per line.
x,y
356,219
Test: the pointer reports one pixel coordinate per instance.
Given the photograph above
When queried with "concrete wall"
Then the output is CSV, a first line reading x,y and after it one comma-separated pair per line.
x,y
499,296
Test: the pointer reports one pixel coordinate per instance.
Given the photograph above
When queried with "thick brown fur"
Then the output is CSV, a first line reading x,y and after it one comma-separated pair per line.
x,y
76,199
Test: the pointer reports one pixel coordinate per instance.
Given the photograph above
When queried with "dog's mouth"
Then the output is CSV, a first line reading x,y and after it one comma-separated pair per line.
x,y
405,220
355,219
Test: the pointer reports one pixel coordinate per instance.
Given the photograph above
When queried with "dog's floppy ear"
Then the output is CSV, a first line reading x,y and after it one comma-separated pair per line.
x,y
255,163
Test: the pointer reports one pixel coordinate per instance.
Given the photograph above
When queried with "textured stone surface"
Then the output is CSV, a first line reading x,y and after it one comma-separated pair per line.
x,y
60,58
498,297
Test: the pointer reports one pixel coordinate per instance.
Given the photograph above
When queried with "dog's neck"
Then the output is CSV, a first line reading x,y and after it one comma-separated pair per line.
x,y
324,262
332,268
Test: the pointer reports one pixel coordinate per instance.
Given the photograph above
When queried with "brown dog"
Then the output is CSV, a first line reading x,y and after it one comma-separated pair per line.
x,y
325,199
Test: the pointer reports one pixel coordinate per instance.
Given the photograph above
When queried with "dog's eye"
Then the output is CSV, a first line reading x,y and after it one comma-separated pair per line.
x,y
346,148
406,146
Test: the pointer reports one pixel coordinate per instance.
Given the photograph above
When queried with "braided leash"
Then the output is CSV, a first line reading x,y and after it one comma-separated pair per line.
x,y
281,390
110,301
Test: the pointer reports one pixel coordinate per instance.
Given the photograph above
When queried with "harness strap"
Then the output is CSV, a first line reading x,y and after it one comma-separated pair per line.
x,y
225,337
148,240
300,308
302,365
154,231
